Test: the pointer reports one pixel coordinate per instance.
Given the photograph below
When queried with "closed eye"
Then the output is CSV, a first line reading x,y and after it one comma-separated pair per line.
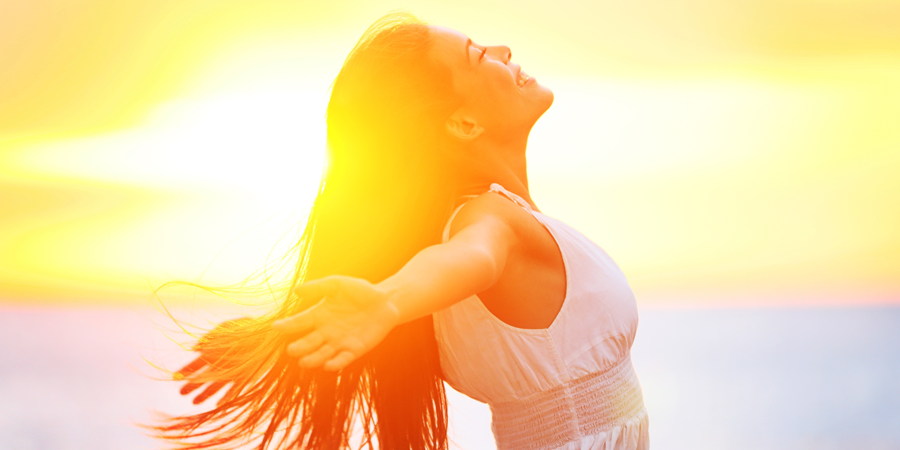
x,y
480,57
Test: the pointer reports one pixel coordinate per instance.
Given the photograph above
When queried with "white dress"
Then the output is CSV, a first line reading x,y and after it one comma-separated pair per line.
x,y
570,386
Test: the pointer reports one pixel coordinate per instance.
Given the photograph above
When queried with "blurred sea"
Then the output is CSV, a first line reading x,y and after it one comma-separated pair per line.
x,y
805,378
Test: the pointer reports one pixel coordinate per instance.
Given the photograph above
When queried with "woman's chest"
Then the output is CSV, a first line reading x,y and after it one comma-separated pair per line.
x,y
533,287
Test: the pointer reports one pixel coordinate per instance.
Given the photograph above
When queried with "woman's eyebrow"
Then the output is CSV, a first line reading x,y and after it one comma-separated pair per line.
x,y
468,44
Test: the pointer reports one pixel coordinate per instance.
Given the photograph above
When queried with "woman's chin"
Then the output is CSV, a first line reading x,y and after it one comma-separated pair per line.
x,y
545,98
550,96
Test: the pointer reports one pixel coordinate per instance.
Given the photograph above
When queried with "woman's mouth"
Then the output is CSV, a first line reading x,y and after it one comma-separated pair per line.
x,y
522,78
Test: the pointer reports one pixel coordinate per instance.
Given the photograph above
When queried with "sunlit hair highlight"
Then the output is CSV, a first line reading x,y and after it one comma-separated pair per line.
x,y
387,190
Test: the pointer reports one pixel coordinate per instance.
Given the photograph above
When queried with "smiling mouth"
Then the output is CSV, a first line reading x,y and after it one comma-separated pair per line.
x,y
522,78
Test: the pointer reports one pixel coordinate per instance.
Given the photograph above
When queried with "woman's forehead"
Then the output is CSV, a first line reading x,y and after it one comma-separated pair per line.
x,y
449,44
449,33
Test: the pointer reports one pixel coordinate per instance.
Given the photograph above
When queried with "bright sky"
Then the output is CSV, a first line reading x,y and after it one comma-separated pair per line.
x,y
722,152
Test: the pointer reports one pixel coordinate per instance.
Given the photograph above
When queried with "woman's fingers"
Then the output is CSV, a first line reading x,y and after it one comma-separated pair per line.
x,y
306,345
190,368
209,391
304,322
340,361
317,358
189,387
296,324
317,289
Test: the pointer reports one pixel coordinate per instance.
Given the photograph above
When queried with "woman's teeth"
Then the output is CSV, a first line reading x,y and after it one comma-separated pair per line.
x,y
522,78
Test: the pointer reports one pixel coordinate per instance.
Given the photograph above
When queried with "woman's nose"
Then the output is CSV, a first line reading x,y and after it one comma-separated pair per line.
x,y
500,52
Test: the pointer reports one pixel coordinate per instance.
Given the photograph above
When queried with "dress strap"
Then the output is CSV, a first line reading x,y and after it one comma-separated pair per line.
x,y
495,187
445,236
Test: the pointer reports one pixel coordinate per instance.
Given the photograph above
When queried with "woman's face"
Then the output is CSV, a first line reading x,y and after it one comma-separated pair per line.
x,y
499,96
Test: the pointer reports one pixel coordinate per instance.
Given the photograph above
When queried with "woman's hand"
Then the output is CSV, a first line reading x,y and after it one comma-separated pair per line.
x,y
211,357
197,364
352,316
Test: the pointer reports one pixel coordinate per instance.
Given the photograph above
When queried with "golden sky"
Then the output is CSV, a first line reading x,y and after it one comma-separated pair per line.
x,y
722,152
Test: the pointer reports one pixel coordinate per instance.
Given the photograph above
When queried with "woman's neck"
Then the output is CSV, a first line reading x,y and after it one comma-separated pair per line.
x,y
500,162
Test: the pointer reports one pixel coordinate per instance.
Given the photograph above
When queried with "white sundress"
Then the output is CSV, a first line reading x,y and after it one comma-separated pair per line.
x,y
570,386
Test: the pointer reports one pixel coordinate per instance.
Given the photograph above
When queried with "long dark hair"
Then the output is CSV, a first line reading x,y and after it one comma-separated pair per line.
x,y
387,190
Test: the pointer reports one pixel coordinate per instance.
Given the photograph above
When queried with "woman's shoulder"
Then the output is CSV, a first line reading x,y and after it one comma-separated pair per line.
x,y
492,206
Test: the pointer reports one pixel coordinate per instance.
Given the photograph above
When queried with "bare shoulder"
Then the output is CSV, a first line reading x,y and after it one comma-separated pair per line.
x,y
491,208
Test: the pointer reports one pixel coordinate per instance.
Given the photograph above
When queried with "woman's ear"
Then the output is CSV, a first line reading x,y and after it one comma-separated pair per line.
x,y
463,127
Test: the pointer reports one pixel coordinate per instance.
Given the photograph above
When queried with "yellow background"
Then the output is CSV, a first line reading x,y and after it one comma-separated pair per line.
x,y
723,153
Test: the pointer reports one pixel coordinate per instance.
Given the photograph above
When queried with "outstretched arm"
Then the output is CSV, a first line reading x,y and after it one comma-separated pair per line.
x,y
354,315
442,275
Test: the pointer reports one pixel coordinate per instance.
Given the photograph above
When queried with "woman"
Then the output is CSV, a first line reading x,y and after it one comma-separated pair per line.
x,y
425,260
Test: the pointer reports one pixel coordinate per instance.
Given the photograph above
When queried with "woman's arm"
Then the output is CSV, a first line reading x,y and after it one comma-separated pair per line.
x,y
354,315
441,275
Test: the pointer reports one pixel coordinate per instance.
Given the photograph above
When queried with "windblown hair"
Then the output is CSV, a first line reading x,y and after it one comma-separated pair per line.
x,y
386,192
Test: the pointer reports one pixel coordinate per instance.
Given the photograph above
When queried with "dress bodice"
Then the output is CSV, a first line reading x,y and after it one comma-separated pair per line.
x,y
552,387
